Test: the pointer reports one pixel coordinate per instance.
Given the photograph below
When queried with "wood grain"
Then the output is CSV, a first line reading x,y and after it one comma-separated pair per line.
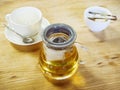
x,y
101,71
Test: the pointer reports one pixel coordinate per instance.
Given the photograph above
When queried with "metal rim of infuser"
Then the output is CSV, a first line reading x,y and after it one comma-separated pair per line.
x,y
56,29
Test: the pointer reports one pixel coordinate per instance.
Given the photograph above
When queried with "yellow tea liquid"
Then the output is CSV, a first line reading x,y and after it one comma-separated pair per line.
x,y
59,69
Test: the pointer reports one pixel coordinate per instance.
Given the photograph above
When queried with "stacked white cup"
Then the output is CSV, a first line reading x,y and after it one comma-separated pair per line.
x,y
96,26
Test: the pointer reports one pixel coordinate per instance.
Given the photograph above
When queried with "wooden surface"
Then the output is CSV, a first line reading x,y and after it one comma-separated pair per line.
x,y
101,71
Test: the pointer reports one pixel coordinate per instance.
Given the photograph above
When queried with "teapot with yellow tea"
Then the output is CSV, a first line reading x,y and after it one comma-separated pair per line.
x,y
58,54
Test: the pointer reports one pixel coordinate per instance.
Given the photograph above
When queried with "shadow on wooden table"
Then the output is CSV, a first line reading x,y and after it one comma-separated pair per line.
x,y
84,80
100,35
107,34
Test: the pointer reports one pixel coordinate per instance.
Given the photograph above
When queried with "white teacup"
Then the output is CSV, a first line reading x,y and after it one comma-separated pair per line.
x,y
25,20
96,26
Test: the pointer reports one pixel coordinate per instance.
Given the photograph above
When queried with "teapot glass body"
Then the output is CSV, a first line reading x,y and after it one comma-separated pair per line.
x,y
58,54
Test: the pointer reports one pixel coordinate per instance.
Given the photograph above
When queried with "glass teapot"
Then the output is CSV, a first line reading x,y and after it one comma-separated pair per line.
x,y
58,53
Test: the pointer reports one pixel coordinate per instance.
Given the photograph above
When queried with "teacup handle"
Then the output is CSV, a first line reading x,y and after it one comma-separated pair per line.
x,y
7,17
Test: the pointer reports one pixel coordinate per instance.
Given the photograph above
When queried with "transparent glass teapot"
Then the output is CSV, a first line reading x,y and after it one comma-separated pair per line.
x,y
58,54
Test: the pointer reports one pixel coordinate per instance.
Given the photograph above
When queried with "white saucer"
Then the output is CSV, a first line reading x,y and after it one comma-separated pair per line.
x,y
14,38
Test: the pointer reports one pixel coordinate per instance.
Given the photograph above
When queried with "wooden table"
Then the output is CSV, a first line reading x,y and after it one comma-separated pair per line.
x,y
101,71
